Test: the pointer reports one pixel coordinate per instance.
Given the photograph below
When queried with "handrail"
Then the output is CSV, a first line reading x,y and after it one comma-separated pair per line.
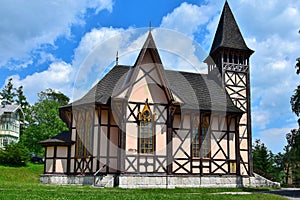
x,y
95,174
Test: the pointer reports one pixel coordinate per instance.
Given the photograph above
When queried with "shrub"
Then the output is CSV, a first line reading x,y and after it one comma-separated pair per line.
x,y
14,154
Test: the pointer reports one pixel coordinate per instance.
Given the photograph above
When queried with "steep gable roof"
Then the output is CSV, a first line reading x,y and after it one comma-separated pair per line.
x,y
228,34
149,50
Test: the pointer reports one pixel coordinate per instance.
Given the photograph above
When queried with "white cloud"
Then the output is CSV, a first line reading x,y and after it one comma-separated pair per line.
x,y
273,78
187,18
26,25
57,76
260,118
274,138
109,38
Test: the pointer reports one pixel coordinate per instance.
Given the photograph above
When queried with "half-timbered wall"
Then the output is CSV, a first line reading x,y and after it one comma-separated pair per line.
x,y
236,80
97,140
222,138
149,88
146,162
56,160
233,69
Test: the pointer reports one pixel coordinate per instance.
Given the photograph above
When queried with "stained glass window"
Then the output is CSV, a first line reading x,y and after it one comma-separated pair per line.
x,y
146,143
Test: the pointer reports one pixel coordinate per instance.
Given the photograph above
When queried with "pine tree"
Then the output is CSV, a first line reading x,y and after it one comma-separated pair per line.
x,y
8,93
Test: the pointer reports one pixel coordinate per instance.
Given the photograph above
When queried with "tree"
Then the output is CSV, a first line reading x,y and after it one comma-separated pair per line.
x,y
293,155
7,94
295,102
22,101
21,98
262,159
14,154
45,120
298,66
278,170
293,138
51,94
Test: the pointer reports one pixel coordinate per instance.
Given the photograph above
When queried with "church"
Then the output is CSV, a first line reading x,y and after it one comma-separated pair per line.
x,y
144,126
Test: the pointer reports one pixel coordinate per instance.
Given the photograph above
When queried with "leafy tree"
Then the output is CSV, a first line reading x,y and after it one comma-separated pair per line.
x,y
295,102
293,138
51,94
298,66
293,155
45,121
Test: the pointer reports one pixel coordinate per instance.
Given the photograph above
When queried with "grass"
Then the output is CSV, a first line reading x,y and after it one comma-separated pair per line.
x,y
23,183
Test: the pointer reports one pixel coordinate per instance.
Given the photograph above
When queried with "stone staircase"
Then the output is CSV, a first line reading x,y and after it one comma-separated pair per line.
x,y
104,181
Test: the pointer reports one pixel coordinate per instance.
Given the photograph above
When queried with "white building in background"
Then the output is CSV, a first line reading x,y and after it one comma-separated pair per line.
x,y
9,124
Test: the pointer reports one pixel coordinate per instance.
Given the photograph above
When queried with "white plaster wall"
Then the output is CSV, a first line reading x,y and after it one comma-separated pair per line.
x,y
161,140
131,138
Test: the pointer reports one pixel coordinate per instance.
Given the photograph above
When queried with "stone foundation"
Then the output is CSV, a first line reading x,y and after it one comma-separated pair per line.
x,y
135,181
66,179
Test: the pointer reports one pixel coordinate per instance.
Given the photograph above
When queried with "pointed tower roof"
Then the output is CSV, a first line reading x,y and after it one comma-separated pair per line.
x,y
228,34
149,45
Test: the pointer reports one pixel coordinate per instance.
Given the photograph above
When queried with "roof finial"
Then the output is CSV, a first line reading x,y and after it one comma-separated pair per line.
x,y
150,26
117,58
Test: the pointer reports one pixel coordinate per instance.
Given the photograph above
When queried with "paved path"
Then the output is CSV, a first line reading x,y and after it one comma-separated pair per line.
x,y
290,193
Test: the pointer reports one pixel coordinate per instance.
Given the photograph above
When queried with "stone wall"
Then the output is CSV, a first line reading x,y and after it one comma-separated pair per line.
x,y
66,180
193,181
134,181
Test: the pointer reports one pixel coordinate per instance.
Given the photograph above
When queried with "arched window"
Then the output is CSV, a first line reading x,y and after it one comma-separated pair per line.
x,y
146,136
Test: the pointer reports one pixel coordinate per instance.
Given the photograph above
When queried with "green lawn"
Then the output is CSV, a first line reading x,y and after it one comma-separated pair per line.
x,y
23,183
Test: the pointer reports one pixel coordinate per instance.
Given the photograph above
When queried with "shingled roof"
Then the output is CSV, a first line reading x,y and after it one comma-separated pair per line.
x,y
196,90
62,139
228,34
9,108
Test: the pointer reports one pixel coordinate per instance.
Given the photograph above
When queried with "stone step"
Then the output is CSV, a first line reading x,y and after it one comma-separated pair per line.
x,y
104,181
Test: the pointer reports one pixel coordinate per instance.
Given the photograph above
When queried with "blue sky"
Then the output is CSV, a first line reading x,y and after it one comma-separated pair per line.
x,y
44,43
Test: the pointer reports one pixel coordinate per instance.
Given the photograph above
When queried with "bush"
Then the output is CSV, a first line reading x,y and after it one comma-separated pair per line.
x,y
14,154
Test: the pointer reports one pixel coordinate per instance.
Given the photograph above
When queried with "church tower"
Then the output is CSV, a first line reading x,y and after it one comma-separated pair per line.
x,y
229,65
